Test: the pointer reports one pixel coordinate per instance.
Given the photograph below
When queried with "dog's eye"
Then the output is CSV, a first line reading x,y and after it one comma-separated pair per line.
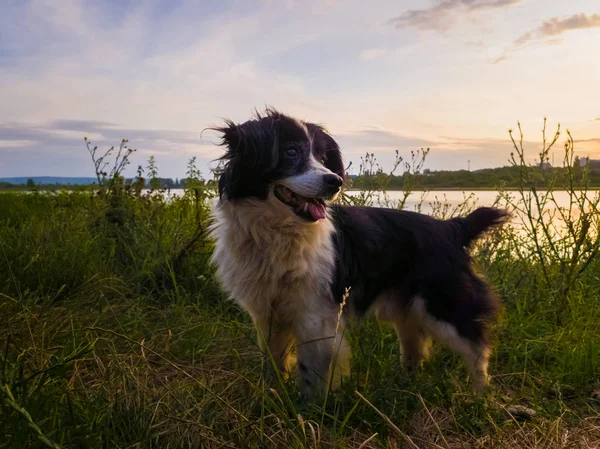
x,y
291,152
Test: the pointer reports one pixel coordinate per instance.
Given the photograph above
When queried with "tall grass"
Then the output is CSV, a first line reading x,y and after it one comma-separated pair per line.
x,y
115,334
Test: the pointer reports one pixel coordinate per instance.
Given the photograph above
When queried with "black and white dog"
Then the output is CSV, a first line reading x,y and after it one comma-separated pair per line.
x,y
287,256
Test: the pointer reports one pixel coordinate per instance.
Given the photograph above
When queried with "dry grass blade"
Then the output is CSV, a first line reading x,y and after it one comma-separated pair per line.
x,y
367,441
393,426
433,421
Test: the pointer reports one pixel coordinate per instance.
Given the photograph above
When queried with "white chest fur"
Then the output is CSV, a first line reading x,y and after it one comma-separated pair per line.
x,y
269,261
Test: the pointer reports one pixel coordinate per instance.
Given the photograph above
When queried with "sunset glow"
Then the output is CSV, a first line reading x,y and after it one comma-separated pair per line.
x,y
452,75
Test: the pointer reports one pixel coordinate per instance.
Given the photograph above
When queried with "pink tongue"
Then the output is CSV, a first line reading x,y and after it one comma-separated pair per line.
x,y
316,210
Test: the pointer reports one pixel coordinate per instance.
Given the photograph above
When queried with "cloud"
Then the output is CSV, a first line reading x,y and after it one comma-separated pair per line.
x,y
16,143
594,140
551,28
475,43
499,59
446,152
371,53
560,25
80,125
57,147
366,140
442,16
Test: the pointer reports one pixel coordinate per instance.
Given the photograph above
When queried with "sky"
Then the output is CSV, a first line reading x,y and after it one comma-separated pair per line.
x,y
450,75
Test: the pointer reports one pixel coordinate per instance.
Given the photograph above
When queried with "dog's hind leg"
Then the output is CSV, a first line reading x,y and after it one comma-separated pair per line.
x,y
414,341
321,345
474,354
477,363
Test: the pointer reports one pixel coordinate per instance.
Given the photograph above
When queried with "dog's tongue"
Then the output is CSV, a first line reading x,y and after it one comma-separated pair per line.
x,y
316,210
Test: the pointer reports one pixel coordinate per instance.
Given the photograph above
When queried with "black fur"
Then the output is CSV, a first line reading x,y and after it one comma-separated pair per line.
x,y
378,251
413,255
254,158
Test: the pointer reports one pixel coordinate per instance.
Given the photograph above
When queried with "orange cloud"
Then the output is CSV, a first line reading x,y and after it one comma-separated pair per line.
x,y
551,28
441,16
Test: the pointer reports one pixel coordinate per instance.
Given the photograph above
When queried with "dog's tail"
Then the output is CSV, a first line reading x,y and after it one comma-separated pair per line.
x,y
478,222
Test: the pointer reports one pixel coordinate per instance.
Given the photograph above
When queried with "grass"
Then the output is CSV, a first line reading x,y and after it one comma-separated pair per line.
x,y
115,334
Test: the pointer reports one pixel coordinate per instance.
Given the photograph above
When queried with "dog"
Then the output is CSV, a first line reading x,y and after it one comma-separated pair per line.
x,y
289,255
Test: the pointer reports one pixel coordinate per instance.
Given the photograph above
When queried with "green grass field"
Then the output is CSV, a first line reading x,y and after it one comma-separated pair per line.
x,y
114,333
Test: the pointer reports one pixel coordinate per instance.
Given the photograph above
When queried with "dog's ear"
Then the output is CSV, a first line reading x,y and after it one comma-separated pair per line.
x,y
231,137
251,152
333,157
255,141
327,149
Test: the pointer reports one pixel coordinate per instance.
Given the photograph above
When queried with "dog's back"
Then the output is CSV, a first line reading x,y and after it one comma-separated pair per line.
x,y
415,271
381,249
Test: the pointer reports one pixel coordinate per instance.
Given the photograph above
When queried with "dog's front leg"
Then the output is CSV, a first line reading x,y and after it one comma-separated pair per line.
x,y
275,339
320,346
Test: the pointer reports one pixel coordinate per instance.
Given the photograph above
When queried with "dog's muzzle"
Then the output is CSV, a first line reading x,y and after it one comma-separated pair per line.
x,y
310,208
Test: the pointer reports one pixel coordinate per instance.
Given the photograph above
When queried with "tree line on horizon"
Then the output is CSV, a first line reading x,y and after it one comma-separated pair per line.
x,y
507,176
156,183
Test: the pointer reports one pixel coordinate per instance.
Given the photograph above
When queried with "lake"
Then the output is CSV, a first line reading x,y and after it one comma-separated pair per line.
x,y
452,201
425,202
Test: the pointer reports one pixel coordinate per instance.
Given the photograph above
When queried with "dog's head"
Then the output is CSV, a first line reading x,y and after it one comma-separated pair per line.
x,y
277,158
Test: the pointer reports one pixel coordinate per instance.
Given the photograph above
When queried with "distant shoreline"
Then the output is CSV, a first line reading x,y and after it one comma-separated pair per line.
x,y
53,188
472,189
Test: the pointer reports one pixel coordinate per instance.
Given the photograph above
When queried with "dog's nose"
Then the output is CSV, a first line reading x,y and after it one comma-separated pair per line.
x,y
333,180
